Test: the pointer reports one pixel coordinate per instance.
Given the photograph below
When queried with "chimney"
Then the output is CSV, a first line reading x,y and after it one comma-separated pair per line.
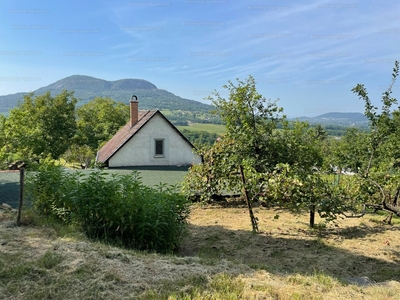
x,y
134,107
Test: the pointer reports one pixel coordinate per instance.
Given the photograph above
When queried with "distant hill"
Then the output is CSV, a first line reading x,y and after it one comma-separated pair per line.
x,y
86,88
338,118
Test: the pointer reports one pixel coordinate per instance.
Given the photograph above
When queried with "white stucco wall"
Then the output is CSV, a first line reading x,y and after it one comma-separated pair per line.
x,y
140,149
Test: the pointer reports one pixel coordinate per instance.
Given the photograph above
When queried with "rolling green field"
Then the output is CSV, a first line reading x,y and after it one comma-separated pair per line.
x,y
9,181
212,128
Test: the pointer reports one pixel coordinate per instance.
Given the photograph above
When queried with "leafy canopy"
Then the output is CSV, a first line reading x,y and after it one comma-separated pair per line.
x,y
41,125
99,120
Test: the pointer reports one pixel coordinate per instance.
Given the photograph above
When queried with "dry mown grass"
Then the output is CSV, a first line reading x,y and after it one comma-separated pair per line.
x,y
220,258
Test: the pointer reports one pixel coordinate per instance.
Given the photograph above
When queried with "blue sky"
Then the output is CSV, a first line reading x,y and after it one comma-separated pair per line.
x,y
309,54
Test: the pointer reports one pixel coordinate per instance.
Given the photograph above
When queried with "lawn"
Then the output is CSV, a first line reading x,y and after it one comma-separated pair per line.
x,y
219,258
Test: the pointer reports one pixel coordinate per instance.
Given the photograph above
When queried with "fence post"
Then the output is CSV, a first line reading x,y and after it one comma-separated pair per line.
x,y
21,195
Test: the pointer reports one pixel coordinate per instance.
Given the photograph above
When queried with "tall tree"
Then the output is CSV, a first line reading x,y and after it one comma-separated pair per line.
x,y
41,125
99,120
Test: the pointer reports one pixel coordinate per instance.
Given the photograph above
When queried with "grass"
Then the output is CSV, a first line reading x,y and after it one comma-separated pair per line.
x,y
220,258
211,128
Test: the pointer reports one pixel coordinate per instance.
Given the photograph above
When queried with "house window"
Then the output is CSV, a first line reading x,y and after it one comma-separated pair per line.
x,y
159,148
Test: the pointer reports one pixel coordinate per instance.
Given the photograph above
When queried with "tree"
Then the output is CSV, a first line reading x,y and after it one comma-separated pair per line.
x,y
350,152
320,132
299,145
382,169
280,166
82,154
249,120
41,125
4,159
99,120
382,124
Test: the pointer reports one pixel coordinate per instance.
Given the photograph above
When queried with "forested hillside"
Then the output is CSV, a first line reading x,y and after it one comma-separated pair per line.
x,y
87,88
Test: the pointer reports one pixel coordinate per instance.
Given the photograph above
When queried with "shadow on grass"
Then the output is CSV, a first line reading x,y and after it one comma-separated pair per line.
x,y
357,232
289,255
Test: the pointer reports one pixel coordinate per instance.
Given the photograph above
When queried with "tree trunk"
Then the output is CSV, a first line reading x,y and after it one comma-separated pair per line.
x,y
246,197
312,216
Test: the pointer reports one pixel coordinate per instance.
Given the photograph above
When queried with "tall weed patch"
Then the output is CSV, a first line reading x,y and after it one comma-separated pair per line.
x,y
51,189
119,210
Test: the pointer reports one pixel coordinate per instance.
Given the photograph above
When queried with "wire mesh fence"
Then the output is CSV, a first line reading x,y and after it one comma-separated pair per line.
x,y
10,188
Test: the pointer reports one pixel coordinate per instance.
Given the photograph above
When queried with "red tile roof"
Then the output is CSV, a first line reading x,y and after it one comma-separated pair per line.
x,y
123,135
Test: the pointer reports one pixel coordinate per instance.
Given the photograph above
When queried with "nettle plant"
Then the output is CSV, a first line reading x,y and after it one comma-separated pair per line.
x,y
117,209
51,189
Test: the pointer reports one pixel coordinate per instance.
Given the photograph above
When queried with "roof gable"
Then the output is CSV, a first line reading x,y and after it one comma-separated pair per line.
x,y
127,132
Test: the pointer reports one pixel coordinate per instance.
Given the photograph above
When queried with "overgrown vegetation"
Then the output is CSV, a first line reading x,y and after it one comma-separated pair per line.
x,y
289,167
118,210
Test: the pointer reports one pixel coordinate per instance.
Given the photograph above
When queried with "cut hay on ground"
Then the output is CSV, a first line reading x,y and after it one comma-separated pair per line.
x,y
352,259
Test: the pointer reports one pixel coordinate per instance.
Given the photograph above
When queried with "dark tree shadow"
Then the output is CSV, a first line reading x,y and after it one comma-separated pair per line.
x,y
290,254
357,232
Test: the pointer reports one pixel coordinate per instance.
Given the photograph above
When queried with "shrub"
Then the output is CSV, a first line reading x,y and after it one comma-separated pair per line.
x,y
122,209
51,188
119,210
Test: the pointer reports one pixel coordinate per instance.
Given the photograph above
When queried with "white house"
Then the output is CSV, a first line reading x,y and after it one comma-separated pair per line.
x,y
148,139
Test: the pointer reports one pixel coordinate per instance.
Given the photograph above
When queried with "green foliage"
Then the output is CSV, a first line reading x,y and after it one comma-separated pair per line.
x,y
382,124
118,210
217,173
98,120
249,120
282,167
4,156
349,153
125,210
82,154
298,191
380,176
41,126
51,189
299,145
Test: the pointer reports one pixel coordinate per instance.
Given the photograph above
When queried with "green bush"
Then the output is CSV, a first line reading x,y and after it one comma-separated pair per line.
x,y
51,188
119,210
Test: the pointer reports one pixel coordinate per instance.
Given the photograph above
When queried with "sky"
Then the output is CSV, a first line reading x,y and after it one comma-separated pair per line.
x,y
307,54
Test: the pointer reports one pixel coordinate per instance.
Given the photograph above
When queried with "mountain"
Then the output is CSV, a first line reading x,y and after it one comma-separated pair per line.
x,y
86,88
338,118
